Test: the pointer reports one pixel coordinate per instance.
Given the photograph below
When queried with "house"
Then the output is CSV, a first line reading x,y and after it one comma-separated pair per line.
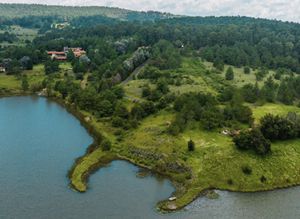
x,y
55,55
2,69
78,51
60,26
61,58
62,55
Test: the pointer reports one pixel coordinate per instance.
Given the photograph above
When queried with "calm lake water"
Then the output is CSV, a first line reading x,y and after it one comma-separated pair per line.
x,y
39,141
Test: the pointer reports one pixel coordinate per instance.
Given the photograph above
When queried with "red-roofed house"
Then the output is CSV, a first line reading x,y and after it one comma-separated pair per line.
x,y
62,55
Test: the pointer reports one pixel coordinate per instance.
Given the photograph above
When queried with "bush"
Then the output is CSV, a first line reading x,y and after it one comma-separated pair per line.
x,y
278,128
239,113
191,145
146,91
247,70
247,170
137,112
263,179
229,74
252,140
117,122
106,145
162,86
148,107
174,129
230,182
212,118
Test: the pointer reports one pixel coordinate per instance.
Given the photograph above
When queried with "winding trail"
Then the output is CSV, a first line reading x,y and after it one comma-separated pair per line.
x,y
136,72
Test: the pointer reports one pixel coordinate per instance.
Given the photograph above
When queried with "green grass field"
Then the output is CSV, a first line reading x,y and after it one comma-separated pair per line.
x,y
240,78
273,108
23,35
191,70
9,82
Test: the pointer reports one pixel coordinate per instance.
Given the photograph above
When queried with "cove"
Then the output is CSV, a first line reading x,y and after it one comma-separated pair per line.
x,y
39,141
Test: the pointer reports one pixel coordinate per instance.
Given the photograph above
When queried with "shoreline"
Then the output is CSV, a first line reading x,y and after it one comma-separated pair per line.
x,y
164,206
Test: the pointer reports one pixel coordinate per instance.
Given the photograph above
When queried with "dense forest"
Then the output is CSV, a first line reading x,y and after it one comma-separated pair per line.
x,y
237,41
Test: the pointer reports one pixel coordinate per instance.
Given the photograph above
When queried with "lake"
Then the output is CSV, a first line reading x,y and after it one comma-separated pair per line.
x,y
39,141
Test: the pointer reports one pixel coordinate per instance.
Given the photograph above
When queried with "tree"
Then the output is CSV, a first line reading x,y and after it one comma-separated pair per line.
x,y
146,92
25,84
137,112
239,113
269,90
51,66
70,56
26,63
165,55
12,67
247,70
191,145
276,127
211,119
229,74
121,111
62,88
148,107
285,94
106,145
250,93
219,64
162,86
79,67
252,140
261,73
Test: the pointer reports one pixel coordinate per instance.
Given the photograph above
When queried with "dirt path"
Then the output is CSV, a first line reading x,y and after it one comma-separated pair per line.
x,y
136,72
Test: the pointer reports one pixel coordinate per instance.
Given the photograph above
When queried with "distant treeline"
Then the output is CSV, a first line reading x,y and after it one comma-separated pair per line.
x,y
68,12
238,41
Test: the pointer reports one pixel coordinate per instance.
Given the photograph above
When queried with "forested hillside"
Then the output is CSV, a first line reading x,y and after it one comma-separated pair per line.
x,y
67,12
238,41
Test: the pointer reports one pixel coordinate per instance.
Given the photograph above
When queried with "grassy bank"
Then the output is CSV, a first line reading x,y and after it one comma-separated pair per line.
x,y
216,163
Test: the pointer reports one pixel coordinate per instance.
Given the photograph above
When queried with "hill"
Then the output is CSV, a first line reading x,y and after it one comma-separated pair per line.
x,y
10,11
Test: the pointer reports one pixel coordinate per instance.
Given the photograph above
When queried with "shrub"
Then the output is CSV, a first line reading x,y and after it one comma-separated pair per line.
x,y
191,145
106,145
247,170
229,74
146,91
239,113
252,140
247,70
278,128
117,121
230,182
263,179
174,129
